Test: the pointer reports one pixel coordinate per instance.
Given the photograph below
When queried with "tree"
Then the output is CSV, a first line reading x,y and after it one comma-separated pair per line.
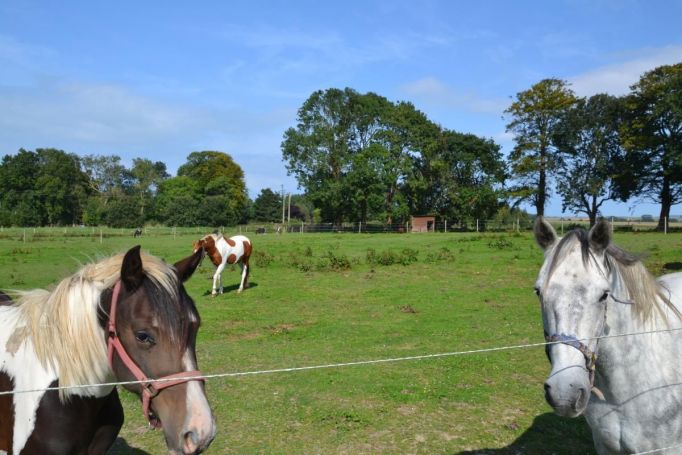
x,y
463,177
20,202
267,206
318,151
351,153
534,117
178,201
652,136
588,139
62,185
211,170
146,178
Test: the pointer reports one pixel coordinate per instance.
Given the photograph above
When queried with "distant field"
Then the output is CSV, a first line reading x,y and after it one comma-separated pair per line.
x,y
328,298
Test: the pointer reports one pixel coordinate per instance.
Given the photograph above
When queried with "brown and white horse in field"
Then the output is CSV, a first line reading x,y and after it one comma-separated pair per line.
x,y
125,318
222,251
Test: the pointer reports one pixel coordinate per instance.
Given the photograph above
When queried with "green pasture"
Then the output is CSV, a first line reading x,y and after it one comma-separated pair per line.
x,y
331,298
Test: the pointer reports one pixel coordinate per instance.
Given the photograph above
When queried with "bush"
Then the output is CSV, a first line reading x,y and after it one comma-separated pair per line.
x,y
262,258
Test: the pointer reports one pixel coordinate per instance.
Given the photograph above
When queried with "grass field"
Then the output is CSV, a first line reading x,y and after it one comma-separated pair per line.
x,y
329,298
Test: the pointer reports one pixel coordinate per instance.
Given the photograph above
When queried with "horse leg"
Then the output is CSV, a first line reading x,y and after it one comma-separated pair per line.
x,y
245,272
217,280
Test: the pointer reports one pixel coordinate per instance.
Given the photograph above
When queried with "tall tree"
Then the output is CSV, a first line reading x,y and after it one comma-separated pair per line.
x,y
147,176
214,172
534,117
588,139
62,185
319,150
21,204
267,206
652,136
463,177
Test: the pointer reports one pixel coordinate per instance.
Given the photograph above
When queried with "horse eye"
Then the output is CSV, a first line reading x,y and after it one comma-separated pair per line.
x,y
144,337
604,296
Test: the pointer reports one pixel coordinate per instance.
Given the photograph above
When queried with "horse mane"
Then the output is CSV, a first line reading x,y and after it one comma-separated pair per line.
x,y
648,296
63,324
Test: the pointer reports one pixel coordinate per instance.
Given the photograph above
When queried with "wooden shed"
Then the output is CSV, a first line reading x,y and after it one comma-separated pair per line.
x,y
423,223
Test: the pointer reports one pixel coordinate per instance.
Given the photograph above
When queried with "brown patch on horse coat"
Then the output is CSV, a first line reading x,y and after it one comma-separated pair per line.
x,y
230,242
209,245
247,251
6,413
231,258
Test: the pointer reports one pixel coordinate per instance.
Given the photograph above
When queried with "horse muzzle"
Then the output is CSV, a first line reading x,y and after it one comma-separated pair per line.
x,y
568,391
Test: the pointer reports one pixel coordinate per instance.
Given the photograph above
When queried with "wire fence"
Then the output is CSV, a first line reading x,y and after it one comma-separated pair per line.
x,y
360,363
414,225
350,363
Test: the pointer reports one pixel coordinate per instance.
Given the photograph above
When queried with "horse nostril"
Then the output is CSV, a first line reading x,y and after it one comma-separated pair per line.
x,y
191,442
547,387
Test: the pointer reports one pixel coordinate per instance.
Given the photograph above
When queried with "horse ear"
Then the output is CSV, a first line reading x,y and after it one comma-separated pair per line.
x,y
545,234
600,235
186,267
132,273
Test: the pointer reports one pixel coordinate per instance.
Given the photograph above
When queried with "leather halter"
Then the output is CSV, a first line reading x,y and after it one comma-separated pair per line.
x,y
570,340
150,387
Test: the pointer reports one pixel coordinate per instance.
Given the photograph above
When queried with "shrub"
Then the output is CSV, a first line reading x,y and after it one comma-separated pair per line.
x,y
262,258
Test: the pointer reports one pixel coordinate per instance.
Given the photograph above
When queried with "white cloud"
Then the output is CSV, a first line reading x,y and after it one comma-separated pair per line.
x,y
616,79
433,92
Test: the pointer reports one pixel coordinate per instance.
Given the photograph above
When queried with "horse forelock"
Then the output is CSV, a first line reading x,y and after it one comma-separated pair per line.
x,y
642,289
63,324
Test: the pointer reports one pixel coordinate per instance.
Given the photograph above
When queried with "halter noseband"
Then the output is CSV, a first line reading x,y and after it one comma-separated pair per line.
x,y
150,387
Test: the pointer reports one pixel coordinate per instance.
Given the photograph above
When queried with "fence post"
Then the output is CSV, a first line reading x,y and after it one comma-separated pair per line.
x,y
359,227
446,226
476,224
101,239
24,235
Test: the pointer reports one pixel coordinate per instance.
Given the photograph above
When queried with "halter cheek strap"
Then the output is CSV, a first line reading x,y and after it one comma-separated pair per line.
x,y
150,388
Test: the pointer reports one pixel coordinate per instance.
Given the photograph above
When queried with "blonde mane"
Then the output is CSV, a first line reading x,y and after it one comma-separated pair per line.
x,y
63,325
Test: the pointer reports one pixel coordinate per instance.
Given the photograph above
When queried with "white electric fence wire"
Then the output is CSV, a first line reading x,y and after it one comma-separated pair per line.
x,y
662,449
339,365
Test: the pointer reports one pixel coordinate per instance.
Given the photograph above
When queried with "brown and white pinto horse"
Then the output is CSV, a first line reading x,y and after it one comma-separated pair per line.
x,y
134,306
222,251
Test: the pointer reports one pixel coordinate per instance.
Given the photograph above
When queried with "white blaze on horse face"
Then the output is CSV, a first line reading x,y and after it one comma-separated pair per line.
x,y
572,306
199,419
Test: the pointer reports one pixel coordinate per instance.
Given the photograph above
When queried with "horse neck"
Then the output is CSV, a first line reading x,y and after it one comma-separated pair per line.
x,y
624,362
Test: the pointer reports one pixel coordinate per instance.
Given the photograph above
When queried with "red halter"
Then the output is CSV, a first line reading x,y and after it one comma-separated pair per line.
x,y
150,388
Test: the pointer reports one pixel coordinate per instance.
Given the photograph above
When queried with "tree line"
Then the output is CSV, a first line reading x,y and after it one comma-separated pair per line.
x,y
360,158
53,187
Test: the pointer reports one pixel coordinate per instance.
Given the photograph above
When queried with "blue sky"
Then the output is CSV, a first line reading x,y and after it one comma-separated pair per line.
x,y
162,79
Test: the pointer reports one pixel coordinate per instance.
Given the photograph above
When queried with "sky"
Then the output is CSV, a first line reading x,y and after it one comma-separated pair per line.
x,y
160,80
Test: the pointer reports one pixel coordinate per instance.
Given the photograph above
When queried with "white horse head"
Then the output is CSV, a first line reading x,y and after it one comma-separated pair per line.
x,y
573,286
598,299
